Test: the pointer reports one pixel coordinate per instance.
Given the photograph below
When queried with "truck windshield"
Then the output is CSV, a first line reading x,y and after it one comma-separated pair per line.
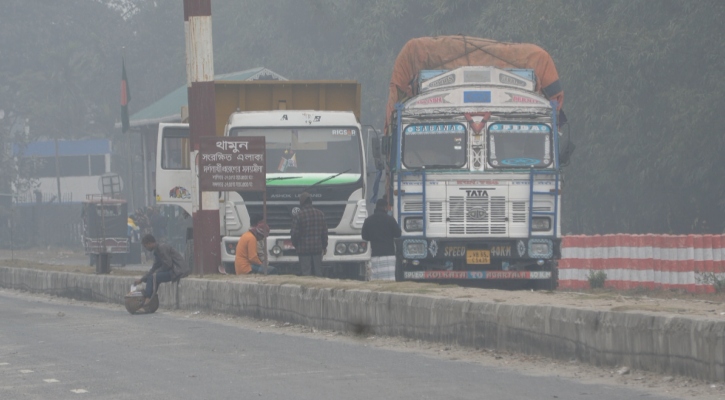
x,y
309,150
519,145
437,145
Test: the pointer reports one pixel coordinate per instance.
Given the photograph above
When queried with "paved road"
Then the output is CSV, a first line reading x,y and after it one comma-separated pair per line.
x,y
60,349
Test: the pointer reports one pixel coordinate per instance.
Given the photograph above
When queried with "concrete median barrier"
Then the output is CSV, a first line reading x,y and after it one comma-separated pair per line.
x,y
688,346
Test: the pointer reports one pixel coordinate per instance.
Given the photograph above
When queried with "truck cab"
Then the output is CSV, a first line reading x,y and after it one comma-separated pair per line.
x,y
318,152
475,178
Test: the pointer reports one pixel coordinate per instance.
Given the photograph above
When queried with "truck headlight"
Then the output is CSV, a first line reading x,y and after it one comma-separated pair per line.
x,y
414,224
340,248
541,248
351,248
415,248
540,224
231,247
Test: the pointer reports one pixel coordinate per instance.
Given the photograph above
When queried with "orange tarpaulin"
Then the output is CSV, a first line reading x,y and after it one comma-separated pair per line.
x,y
449,52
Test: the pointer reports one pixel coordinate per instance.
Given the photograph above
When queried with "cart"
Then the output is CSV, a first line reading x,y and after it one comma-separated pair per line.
x,y
105,230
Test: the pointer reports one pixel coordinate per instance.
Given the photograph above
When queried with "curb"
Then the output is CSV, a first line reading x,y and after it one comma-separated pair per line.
x,y
662,344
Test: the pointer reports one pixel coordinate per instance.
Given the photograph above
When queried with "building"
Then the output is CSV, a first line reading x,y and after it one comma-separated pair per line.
x,y
67,170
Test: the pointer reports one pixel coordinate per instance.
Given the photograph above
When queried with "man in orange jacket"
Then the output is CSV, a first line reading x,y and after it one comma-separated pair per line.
x,y
247,258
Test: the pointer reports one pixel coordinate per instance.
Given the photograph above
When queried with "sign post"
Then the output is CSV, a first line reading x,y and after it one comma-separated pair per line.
x,y
234,164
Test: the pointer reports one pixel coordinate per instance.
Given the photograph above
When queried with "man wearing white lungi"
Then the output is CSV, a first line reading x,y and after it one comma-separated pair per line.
x,y
380,229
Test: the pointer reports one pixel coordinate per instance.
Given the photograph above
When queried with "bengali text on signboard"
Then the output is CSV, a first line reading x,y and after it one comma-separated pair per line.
x,y
232,164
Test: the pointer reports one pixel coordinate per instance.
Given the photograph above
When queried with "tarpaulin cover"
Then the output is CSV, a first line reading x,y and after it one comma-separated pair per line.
x,y
450,52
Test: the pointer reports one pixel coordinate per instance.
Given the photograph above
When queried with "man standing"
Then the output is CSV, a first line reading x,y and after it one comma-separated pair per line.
x,y
247,258
380,229
168,266
309,236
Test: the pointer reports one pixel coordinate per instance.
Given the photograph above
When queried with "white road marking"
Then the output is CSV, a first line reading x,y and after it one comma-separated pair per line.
x,y
26,371
51,380
4,363
79,391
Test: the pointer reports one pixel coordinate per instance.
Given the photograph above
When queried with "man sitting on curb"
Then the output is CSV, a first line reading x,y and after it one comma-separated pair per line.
x,y
168,266
247,258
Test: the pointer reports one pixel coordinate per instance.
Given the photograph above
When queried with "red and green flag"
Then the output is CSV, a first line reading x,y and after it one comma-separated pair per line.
x,y
125,98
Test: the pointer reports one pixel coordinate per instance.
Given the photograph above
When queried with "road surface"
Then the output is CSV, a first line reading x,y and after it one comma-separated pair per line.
x,y
62,349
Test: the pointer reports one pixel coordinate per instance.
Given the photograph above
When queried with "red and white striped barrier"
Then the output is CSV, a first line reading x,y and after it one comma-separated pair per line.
x,y
688,262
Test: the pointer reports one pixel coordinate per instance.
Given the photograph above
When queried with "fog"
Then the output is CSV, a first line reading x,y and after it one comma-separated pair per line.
x,y
642,81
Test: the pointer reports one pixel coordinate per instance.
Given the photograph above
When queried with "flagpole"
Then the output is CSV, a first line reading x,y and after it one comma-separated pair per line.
x,y
128,138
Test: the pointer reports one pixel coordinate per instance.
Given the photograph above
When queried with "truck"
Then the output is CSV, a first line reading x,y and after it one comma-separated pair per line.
x,y
474,163
313,144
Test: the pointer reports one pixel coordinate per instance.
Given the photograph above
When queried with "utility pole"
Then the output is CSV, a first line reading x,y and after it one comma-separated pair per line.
x,y
202,122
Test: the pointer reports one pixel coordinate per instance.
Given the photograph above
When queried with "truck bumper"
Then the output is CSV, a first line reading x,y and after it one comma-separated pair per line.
x,y
280,250
477,258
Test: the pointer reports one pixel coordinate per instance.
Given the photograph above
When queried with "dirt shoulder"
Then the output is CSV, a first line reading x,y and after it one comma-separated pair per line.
x,y
660,302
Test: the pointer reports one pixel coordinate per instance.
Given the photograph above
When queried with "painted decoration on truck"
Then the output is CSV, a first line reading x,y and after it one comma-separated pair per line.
x,y
477,274
179,192
477,96
437,99
446,80
517,98
434,129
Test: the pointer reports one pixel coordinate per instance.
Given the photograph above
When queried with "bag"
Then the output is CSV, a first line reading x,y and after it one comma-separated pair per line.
x,y
134,300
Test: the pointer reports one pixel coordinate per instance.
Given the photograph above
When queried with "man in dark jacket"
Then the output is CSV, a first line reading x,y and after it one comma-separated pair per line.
x,y
380,229
168,266
309,236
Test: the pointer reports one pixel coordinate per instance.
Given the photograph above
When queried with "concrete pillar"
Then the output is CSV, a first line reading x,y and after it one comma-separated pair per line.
x,y
202,122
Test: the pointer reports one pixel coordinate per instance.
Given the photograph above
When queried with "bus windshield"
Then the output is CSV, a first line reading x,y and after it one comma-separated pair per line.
x,y
309,149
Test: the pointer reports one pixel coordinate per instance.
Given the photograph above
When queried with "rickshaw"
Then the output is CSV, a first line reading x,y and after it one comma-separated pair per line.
x,y
105,230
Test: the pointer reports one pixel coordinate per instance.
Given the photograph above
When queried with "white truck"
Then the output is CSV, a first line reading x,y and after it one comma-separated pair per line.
x,y
475,178
313,144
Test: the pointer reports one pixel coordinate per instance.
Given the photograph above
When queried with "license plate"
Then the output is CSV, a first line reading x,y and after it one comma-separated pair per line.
x,y
478,257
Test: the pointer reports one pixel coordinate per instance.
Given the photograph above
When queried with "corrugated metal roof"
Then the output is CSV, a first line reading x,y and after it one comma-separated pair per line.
x,y
168,108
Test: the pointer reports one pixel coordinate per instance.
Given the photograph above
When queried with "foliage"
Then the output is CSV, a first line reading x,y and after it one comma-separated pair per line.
x,y
710,278
596,279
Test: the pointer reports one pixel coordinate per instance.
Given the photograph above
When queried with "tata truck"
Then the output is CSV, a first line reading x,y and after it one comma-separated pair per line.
x,y
313,144
475,178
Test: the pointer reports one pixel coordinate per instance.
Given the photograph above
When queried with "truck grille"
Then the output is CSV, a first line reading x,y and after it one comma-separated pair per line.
x,y
279,216
477,216
434,212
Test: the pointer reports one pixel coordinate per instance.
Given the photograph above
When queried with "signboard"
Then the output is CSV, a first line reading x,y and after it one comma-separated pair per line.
x,y
232,164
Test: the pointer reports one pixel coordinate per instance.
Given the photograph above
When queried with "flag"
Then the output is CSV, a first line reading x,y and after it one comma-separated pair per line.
x,y
125,98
